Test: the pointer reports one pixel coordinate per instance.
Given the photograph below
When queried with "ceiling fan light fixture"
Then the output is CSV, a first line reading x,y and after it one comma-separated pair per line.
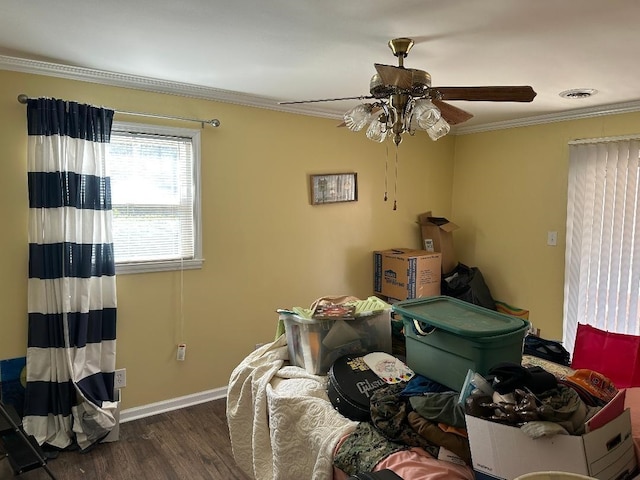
x,y
378,89
358,117
398,90
400,47
438,129
377,130
425,114
420,82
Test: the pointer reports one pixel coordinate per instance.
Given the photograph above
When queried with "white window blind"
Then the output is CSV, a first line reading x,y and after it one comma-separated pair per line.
x,y
154,178
602,258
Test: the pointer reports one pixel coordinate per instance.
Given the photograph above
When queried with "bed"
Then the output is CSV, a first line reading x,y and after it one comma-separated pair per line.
x,y
282,425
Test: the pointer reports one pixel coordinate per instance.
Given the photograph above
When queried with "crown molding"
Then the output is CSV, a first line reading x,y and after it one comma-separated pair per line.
x,y
579,113
208,93
149,84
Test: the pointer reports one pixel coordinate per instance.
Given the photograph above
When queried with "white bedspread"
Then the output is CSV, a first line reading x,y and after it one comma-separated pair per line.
x,y
281,423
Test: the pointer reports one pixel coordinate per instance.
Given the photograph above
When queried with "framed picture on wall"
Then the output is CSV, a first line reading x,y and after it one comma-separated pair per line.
x,y
334,188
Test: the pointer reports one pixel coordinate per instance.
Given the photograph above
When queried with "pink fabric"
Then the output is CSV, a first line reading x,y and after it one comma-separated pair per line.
x,y
417,464
339,474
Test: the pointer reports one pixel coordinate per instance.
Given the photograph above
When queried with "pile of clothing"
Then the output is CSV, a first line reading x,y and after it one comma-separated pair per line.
x,y
425,414
538,402
418,413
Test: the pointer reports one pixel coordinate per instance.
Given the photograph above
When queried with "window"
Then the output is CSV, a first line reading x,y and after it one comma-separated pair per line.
x,y
155,195
602,258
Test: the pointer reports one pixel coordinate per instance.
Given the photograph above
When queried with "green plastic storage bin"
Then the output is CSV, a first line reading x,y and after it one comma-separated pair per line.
x,y
446,337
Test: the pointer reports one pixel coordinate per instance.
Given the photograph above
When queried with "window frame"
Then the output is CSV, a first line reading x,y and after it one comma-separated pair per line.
x,y
174,264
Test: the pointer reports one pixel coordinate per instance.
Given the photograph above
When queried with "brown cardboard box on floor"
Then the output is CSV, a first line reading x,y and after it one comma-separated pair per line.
x,y
404,273
437,236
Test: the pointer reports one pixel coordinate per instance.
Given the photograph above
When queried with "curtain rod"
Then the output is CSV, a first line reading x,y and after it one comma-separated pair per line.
x,y
214,122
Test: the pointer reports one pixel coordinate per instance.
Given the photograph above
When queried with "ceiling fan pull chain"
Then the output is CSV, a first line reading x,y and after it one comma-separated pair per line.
x,y
395,186
386,169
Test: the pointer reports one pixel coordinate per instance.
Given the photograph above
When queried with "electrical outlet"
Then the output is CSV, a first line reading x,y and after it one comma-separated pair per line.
x,y
120,378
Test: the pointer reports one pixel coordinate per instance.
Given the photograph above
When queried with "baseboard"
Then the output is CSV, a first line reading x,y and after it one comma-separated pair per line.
x,y
136,413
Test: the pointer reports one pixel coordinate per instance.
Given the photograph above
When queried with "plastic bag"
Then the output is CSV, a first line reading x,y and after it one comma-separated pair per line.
x,y
614,355
467,284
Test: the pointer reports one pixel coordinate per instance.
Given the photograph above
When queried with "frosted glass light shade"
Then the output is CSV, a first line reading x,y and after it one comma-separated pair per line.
x,y
439,129
356,118
377,131
425,114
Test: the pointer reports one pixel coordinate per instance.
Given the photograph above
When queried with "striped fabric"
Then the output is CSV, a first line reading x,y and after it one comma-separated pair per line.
x,y
502,307
72,284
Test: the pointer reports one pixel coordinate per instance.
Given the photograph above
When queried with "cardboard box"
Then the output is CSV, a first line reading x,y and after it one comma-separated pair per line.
x,y
632,401
404,273
437,237
503,452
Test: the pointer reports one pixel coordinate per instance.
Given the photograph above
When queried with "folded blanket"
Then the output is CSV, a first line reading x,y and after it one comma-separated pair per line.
x,y
281,422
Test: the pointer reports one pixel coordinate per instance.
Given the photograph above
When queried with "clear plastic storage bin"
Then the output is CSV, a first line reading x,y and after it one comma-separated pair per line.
x,y
315,344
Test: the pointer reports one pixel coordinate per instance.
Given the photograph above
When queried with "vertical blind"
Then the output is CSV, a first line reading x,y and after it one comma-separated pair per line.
x,y
152,196
602,259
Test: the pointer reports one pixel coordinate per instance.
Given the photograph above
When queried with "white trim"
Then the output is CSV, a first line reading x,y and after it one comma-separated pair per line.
x,y
149,84
576,114
208,93
163,406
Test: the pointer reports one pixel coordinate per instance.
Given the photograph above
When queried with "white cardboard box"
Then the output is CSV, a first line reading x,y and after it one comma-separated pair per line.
x,y
504,452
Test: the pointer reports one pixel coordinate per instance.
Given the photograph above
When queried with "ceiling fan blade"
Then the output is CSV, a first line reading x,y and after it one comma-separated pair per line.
x,y
488,94
361,97
397,76
453,115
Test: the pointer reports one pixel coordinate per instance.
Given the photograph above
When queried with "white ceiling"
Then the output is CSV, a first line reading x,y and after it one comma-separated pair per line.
x,y
274,50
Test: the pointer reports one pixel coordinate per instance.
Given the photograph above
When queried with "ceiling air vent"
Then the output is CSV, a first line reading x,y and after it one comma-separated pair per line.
x,y
578,93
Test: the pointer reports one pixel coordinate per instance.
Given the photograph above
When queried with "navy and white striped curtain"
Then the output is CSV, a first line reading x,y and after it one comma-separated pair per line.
x,y
72,284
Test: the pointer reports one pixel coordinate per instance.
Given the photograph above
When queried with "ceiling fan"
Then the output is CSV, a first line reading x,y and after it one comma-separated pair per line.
x,y
405,101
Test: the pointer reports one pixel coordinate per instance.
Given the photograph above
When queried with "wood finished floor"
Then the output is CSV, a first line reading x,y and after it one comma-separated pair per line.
x,y
191,443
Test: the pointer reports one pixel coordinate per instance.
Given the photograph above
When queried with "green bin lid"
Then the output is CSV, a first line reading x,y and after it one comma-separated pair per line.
x,y
457,316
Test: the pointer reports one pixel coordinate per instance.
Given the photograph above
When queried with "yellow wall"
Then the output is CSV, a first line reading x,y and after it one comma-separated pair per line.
x,y
509,190
265,246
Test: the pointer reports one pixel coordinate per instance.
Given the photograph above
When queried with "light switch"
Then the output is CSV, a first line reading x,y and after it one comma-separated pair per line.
x,y
552,238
